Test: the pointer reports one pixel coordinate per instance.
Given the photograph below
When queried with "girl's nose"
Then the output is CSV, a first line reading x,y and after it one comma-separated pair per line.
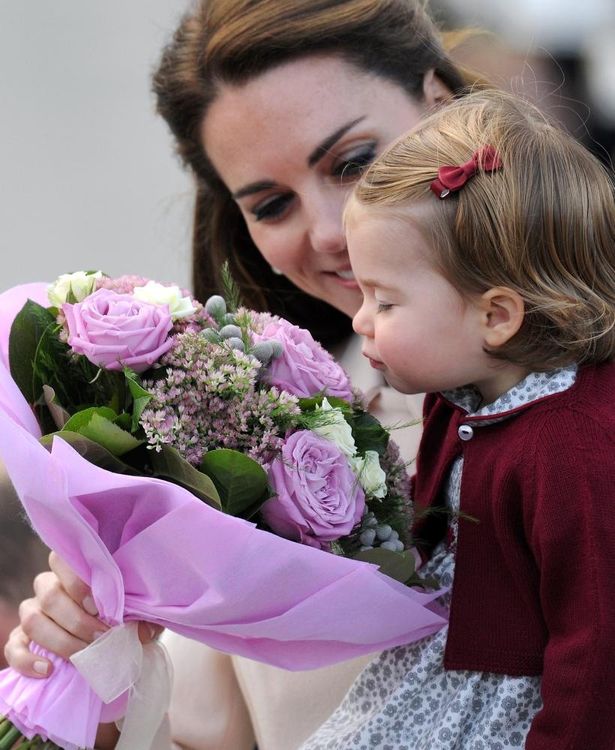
x,y
362,322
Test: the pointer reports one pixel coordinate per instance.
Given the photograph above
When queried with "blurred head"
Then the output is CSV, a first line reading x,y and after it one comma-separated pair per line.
x,y
276,106
530,246
22,556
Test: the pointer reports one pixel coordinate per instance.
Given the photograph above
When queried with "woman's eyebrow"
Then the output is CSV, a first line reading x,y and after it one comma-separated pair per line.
x,y
323,148
254,187
315,156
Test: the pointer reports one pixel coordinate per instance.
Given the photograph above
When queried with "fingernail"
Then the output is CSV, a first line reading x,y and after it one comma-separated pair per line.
x,y
89,606
154,631
41,667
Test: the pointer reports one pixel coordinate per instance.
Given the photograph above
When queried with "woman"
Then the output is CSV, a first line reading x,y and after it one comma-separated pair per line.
x,y
276,107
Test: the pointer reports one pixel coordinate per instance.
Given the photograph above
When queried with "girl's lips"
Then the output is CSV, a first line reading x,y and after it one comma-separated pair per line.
x,y
375,363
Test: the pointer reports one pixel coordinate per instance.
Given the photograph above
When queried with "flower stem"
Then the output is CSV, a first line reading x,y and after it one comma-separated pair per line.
x,y
9,738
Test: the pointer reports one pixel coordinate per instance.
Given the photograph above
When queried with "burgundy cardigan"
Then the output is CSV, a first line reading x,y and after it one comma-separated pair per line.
x,y
534,585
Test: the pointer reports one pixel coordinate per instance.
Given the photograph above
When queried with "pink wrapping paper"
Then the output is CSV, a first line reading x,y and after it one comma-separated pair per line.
x,y
150,550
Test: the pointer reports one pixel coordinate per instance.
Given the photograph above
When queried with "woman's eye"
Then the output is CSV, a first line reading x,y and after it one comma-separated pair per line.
x,y
383,306
272,208
353,164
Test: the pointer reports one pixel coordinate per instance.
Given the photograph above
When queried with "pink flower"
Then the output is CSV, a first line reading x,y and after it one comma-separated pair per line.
x,y
116,330
319,499
304,368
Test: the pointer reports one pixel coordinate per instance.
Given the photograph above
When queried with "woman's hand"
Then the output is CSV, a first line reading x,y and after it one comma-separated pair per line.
x,y
61,617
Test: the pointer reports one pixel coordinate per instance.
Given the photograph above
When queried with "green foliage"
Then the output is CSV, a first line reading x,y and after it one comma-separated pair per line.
x,y
240,481
34,350
368,433
92,452
168,464
398,565
140,397
97,423
312,402
58,413
230,290
38,357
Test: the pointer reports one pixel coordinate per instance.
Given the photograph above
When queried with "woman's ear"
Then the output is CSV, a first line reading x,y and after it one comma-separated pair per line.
x,y
502,312
434,90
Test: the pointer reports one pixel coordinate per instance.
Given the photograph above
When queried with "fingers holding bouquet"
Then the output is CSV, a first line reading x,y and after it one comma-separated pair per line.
x,y
61,618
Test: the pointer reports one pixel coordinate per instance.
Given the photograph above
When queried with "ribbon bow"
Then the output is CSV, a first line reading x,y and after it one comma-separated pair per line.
x,y
451,178
117,662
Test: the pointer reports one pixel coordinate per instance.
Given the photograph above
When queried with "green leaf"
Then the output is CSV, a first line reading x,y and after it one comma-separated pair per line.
x,y
398,565
58,413
168,464
310,403
92,452
124,420
231,292
97,424
140,397
32,323
82,418
240,481
368,433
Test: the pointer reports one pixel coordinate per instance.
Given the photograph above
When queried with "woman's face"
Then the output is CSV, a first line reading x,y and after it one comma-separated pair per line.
x,y
289,145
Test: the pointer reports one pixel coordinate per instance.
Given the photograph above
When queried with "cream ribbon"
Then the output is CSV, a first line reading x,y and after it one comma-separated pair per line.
x,y
116,662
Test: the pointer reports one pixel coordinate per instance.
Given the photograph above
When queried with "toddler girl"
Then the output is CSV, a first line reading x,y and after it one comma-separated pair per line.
x,y
484,245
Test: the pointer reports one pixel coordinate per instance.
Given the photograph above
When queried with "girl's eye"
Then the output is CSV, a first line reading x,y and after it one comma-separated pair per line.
x,y
354,163
272,208
383,306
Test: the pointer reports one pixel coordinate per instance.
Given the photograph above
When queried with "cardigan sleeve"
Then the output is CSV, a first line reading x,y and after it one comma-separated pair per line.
x,y
572,534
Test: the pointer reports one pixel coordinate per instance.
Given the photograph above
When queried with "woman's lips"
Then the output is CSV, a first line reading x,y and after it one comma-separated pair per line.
x,y
343,278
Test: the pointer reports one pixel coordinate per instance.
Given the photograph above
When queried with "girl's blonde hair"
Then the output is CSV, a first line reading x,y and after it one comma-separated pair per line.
x,y
543,224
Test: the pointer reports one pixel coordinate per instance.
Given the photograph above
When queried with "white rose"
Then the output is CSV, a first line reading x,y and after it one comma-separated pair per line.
x,y
72,287
370,474
157,294
335,428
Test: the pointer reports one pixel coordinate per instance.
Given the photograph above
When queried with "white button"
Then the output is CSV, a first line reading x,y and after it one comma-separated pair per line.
x,y
465,432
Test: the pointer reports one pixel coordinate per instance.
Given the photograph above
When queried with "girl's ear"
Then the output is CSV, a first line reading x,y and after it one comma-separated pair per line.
x,y
434,90
502,311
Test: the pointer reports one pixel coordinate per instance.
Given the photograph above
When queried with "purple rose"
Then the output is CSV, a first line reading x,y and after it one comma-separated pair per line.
x,y
116,330
304,368
318,497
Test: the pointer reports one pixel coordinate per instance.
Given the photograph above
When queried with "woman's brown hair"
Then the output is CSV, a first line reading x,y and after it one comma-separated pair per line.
x,y
231,42
543,224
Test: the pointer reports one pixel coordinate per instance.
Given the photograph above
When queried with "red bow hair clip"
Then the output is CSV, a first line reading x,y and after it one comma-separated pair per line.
x,y
451,179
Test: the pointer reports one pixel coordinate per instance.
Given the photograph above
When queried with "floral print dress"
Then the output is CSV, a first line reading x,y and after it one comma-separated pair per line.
x,y
405,699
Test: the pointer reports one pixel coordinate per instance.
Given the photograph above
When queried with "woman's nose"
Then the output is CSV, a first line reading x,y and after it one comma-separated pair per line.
x,y
326,231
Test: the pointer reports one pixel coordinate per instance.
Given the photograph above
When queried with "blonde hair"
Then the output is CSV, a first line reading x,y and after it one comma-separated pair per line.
x,y
543,225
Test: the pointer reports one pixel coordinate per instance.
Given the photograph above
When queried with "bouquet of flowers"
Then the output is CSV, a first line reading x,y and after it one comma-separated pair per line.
x,y
176,452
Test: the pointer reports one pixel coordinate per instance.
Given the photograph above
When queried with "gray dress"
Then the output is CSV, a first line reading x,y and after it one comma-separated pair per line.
x,y
405,699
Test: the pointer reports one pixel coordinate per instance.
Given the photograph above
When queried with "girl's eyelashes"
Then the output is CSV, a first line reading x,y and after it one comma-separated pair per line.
x,y
383,306
354,163
272,208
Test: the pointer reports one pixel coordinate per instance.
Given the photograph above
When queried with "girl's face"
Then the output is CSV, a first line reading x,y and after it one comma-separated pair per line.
x,y
417,327
290,144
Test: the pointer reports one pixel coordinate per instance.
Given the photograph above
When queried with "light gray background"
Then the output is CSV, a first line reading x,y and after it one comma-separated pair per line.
x,y
88,178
